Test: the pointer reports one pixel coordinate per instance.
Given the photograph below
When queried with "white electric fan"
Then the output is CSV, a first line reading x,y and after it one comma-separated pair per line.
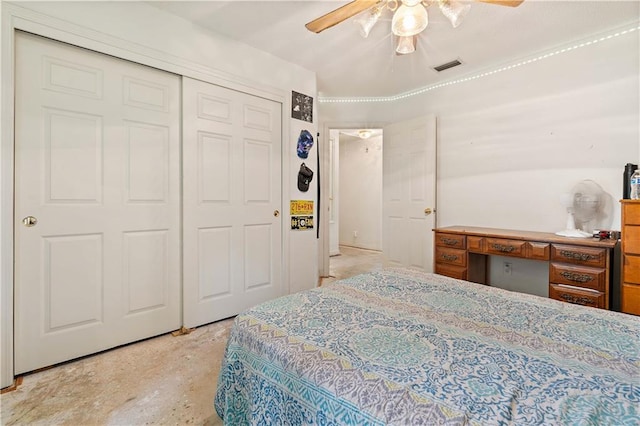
x,y
584,207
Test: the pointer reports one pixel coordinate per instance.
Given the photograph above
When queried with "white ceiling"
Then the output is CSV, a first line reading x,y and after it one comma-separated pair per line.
x,y
348,65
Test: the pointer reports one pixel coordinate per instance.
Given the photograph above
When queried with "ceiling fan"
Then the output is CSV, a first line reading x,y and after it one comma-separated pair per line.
x,y
409,17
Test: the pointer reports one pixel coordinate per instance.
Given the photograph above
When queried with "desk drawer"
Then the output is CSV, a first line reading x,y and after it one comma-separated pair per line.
x,y
451,256
475,244
506,247
577,296
588,256
451,240
579,276
537,250
452,271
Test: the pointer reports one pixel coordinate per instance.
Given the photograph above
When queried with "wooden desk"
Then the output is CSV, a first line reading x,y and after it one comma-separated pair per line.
x,y
579,268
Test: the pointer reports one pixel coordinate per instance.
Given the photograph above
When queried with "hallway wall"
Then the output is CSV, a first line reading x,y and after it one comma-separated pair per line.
x,y
361,192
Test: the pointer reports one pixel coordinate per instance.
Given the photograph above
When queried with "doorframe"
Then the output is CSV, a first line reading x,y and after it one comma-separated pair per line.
x,y
17,18
323,152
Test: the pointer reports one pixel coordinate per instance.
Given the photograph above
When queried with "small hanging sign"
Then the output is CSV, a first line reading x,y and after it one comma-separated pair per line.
x,y
301,214
299,223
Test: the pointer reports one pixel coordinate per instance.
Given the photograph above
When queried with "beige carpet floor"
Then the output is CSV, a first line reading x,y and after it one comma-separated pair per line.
x,y
165,380
353,261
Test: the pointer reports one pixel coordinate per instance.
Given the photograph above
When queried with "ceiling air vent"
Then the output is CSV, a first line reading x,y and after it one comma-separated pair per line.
x,y
447,65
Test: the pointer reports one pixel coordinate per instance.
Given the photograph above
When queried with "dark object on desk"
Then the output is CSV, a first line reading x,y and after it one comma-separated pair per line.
x,y
606,235
626,179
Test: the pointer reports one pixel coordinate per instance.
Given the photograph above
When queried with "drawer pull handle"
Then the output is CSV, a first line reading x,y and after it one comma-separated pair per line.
x,y
502,248
577,278
577,256
450,241
450,257
577,300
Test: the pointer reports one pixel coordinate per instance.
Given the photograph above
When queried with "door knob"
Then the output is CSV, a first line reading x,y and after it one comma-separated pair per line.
x,y
276,213
428,211
29,221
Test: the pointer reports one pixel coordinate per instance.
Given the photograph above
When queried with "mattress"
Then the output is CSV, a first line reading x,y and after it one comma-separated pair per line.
x,y
401,347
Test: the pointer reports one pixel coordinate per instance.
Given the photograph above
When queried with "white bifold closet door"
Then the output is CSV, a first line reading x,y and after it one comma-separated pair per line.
x,y
97,165
232,197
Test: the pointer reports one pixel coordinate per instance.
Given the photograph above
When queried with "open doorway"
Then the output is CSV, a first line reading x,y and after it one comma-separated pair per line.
x,y
408,193
355,201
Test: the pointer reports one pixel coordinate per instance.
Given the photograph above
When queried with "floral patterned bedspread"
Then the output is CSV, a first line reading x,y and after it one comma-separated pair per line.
x,y
408,348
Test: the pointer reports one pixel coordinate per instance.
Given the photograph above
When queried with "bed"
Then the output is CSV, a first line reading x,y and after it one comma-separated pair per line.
x,y
402,347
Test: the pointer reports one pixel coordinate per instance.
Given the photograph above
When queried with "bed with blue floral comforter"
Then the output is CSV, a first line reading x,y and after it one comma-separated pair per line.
x,y
402,347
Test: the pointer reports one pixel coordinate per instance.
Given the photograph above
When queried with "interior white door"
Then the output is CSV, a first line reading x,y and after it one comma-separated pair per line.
x,y
97,165
232,200
409,193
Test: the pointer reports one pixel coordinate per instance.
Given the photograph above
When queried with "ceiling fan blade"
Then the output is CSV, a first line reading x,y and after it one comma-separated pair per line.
x,y
511,3
340,14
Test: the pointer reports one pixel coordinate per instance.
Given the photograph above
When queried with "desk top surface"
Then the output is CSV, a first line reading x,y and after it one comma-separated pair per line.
x,y
526,235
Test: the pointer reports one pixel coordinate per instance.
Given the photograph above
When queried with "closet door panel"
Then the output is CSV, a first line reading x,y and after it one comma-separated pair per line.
x,y
97,163
232,238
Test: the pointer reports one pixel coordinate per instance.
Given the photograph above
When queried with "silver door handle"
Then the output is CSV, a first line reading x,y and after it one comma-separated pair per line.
x,y
30,221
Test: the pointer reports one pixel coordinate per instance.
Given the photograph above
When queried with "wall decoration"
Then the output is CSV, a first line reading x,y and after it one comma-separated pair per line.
x,y
305,143
301,214
301,207
301,107
299,223
305,175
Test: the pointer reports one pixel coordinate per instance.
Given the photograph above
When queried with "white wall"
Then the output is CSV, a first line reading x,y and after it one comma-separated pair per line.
x,y
361,192
142,33
303,255
334,192
510,144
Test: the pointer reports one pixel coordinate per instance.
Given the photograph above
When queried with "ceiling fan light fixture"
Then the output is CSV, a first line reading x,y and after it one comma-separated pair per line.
x,y
366,22
406,45
409,20
454,10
